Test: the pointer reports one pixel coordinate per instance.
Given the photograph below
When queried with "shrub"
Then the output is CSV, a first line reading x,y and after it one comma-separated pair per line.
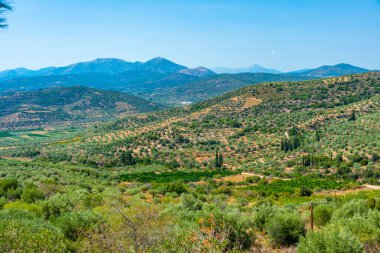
x,y
8,184
305,191
262,215
31,194
330,239
56,205
227,229
322,215
73,223
350,209
20,234
188,201
178,187
285,228
22,206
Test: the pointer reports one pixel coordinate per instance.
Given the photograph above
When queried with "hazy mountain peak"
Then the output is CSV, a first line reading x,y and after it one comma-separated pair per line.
x,y
161,65
335,70
199,72
255,68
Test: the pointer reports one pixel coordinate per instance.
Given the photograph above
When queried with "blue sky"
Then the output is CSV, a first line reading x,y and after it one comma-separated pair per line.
x,y
282,34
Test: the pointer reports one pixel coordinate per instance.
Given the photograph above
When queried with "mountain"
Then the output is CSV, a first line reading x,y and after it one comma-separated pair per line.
x,y
105,66
161,65
336,70
199,72
299,71
109,66
67,105
211,86
169,88
251,69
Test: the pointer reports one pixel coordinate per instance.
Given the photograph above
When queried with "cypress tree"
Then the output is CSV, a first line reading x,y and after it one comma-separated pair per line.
x,y
220,162
353,116
216,159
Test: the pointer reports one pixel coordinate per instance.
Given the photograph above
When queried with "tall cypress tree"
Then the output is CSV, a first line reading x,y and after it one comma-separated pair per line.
x,y
216,159
220,160
353,116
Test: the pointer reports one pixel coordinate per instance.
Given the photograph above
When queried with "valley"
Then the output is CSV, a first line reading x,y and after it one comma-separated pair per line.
x,y
222,173
255,130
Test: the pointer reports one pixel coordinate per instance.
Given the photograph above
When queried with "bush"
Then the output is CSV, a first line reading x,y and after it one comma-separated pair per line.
x,y
285,228
305,191
31,194
73,223
20,234
330,239
189,202
22,206
56,205
8,184
227,229
178,187
262,215
350,209
322,215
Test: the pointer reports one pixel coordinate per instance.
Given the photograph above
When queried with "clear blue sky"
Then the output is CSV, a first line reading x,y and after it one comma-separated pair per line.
x,y
282,34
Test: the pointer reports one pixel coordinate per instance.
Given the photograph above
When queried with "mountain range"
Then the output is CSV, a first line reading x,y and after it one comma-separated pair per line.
x,y
102,65
256,68
159,79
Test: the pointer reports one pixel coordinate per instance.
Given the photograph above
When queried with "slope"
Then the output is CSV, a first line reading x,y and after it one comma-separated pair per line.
x,y
67,105
268,128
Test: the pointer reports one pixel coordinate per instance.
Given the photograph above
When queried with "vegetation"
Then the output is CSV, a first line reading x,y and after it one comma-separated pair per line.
x,y
270,167
65,105
4,7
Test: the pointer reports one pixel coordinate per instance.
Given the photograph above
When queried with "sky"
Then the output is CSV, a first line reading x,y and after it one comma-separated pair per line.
x,y
281,34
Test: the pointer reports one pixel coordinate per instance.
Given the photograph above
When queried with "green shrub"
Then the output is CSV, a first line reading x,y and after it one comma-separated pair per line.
x,y
237,230
22,206
262,215
73,223
177,187
349,209
56,205
285,228
322,215
332,240
305,191
8,184
31,194
189,202
20,234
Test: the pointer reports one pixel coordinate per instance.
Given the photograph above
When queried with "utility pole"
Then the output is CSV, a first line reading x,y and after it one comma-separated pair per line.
x,y
311,216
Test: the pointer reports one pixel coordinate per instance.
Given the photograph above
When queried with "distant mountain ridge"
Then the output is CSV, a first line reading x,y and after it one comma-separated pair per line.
x,y
335,70
109,66
255,68
159,79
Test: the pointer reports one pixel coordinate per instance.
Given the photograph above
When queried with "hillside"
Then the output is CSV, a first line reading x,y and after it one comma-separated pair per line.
x,y
208,87
239,172
69,105
249,127
336,70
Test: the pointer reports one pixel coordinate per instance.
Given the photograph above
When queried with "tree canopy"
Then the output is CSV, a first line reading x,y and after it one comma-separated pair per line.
x,y
4,7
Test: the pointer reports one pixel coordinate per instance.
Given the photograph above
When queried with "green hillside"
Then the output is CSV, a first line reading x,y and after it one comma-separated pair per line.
x,y
249,127
273,167
72,105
